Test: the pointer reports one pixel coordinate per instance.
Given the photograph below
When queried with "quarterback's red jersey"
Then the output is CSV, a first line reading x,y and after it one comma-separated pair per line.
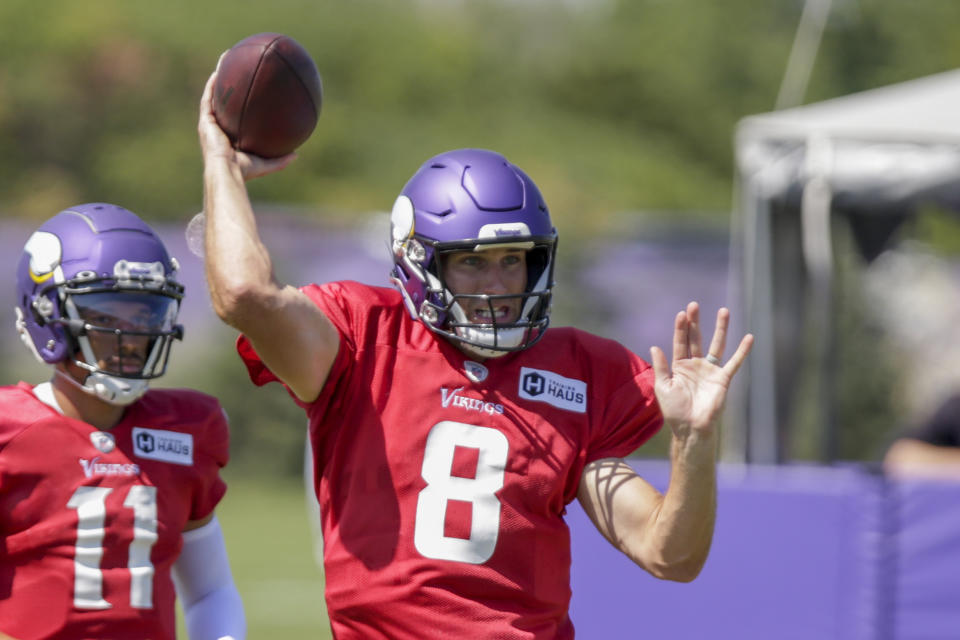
x,y
443,481
91,521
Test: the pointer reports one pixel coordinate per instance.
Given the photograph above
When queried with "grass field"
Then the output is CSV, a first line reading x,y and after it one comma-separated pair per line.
x,y
268,537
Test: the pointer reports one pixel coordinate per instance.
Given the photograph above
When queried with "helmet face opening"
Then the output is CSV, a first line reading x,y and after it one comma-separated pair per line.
x,y
125,334
473,200
499,335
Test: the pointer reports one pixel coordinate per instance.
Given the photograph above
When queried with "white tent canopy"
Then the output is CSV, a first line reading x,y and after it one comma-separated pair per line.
x,y
873,156
922,110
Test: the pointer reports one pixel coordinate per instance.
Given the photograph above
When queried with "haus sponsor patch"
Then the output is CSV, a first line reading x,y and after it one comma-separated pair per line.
x,y
167,446
552,388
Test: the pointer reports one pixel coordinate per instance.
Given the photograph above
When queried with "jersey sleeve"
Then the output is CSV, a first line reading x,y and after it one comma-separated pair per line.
x,y
332,300
630,415
212,454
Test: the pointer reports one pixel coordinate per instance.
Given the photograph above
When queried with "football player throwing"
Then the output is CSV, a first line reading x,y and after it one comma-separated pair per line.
x,y
450,426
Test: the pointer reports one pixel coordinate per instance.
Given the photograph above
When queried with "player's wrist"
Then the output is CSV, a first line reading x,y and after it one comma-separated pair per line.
x,y
688,440
222,167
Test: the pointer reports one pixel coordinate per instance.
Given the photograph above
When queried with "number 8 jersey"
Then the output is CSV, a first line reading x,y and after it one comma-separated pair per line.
x,y
91,521
443,480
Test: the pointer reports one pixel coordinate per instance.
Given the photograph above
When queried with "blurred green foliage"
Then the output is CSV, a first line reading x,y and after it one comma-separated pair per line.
x,y
613,106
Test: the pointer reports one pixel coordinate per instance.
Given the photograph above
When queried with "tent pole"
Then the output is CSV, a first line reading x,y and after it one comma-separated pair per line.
x,y
803,53
733,437
815,210
761,428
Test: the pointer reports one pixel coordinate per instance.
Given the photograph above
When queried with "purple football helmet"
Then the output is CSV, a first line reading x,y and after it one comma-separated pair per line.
x,y
470,200
93,281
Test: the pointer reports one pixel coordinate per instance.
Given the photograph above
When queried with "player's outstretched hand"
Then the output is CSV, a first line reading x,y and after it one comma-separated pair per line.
x,y
693,388
215,143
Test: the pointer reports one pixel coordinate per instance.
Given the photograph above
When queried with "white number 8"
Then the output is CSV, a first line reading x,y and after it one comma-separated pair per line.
x,y
442,486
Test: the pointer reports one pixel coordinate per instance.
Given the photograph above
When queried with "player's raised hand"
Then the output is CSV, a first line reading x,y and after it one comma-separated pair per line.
x,y
215,143
693,388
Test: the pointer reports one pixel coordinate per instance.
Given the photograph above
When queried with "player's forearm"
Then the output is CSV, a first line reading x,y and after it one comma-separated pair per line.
x,y
238,265
681,532
211,604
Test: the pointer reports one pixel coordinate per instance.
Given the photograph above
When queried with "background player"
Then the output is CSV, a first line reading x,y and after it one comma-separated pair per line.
x,y
931,450
449,427
108,489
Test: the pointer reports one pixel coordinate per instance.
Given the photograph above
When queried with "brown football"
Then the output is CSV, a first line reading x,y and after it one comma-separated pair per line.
x,y
267,95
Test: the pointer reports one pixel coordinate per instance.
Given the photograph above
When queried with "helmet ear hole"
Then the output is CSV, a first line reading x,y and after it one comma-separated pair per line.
x,y
40,309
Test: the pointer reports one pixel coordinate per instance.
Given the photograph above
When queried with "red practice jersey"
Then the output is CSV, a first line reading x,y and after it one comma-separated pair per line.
x,y
91,521
443,481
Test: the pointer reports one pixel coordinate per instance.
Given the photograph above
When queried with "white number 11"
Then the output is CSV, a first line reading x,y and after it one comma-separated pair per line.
x,y
91,506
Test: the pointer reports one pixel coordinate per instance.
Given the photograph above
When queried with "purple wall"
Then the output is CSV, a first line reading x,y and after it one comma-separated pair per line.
x,y
799,552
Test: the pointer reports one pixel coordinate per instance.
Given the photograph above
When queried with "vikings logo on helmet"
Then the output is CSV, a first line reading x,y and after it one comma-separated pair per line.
x,y
469,200
45,254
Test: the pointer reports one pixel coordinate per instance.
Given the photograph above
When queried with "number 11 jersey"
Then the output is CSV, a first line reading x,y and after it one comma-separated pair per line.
x,y
91,520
